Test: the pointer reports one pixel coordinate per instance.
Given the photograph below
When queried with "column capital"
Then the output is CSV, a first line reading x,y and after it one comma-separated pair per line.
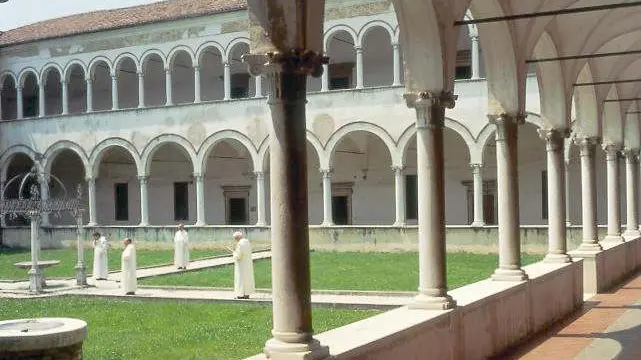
x,y
144,179
398,168
502,121
88,80
167,70
631,153
326,172
198,176
90,179
358,49
260,175
140,74
114,76
587,140
395,45
196,67
295,61
611,148
554,138
426,99
63,82
476,166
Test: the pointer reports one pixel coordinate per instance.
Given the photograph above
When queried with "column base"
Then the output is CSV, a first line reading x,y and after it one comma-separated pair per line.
x,y
613,239
427,302
568,223
509,275
200,223
478,224
632,234
399,224
143,224
557,258
36,281
589,247
81,275
261,224
327,223
279,350
92,224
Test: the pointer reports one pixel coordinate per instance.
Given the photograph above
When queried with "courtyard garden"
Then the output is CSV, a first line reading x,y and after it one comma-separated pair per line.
x,y
352,271
68,258
149,330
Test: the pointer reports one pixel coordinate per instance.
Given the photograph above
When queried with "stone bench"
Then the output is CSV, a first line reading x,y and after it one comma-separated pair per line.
x,y
42,264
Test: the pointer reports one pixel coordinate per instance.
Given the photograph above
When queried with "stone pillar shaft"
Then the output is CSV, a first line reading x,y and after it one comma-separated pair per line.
x,y
44,195
614,199
260,198
144,201
397,64
114,92
430,170
19,103
328,216
196,84
477,179
81,269
258,81
227,81
590,240
42,105
91,194
632,193
325,78
89,94
476,58
359,67
35,275
568,208
3,218
508,198
399,192
557,240
168,88
200,200
141,90
65,97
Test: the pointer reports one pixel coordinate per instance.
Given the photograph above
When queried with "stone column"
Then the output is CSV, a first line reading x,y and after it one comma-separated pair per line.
x,y
168,88
19,103
141,90
430,171
114,92
258,81
44,195
260,198
3,218
477,182
35,275
42,104
557,239
328,217
399,192
397,64
65,97
590,240
614,199
196,84
89,94
508,197
144,201
476,67
227,80
568,208
325,78
359,67
632,193
292,314
91,194
200,200
81,269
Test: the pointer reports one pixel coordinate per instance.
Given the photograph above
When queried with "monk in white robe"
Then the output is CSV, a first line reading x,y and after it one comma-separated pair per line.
x,y
181,247
128,267
100,266
243,267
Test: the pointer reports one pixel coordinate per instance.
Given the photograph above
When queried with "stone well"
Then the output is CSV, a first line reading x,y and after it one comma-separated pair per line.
x,y
42,338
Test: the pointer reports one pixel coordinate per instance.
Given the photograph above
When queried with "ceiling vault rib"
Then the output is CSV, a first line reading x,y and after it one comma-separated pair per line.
x,y
610,82
620,100
587,56
575,10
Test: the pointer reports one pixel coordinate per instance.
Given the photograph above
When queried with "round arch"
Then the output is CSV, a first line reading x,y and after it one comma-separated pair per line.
x,y
334,29
157,142
209,44
344,131
180,48
24,73
311,138
99,150
47,68
70,65
55,149
125,56
232,44
7,73
7,155
210,143
362,34
91,68
145,57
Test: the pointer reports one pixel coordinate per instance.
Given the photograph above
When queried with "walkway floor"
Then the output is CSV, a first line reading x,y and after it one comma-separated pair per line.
x,y
607,327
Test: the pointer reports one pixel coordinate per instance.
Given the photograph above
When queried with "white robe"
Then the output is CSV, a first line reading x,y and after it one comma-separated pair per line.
x,y
243,268
181,248
100,265
128,267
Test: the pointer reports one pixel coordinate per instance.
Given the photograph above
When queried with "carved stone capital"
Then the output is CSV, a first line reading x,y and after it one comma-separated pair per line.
x,y
260,175
611,150
198,176
398,168
476,167
506,124
554,138
143,179
631,154
294,61
430,107
587,145
326,173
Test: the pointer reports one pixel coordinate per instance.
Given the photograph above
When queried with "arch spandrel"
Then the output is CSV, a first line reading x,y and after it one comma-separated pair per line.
x,y
588,114
612,118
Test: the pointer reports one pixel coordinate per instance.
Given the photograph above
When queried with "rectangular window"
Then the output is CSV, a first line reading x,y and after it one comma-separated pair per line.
x,y
544,195
238,211
121,191
411,197
181,201
488,209
337,83
340,210
463,72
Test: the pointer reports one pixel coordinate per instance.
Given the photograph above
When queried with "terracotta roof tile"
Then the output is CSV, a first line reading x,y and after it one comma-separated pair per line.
x,y
118,18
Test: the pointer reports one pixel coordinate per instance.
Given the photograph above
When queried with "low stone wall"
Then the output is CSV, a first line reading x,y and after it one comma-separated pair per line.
x,y
342,238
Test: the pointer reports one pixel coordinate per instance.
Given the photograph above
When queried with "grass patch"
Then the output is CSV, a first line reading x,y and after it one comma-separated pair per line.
x,y
353,271
68,258
168,329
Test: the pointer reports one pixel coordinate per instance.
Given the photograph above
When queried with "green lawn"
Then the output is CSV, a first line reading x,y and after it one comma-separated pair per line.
x,y
353,271
68,259
151,330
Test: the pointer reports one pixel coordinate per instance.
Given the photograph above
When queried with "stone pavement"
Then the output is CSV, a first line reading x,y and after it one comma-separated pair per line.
x,y
111,289
607,327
